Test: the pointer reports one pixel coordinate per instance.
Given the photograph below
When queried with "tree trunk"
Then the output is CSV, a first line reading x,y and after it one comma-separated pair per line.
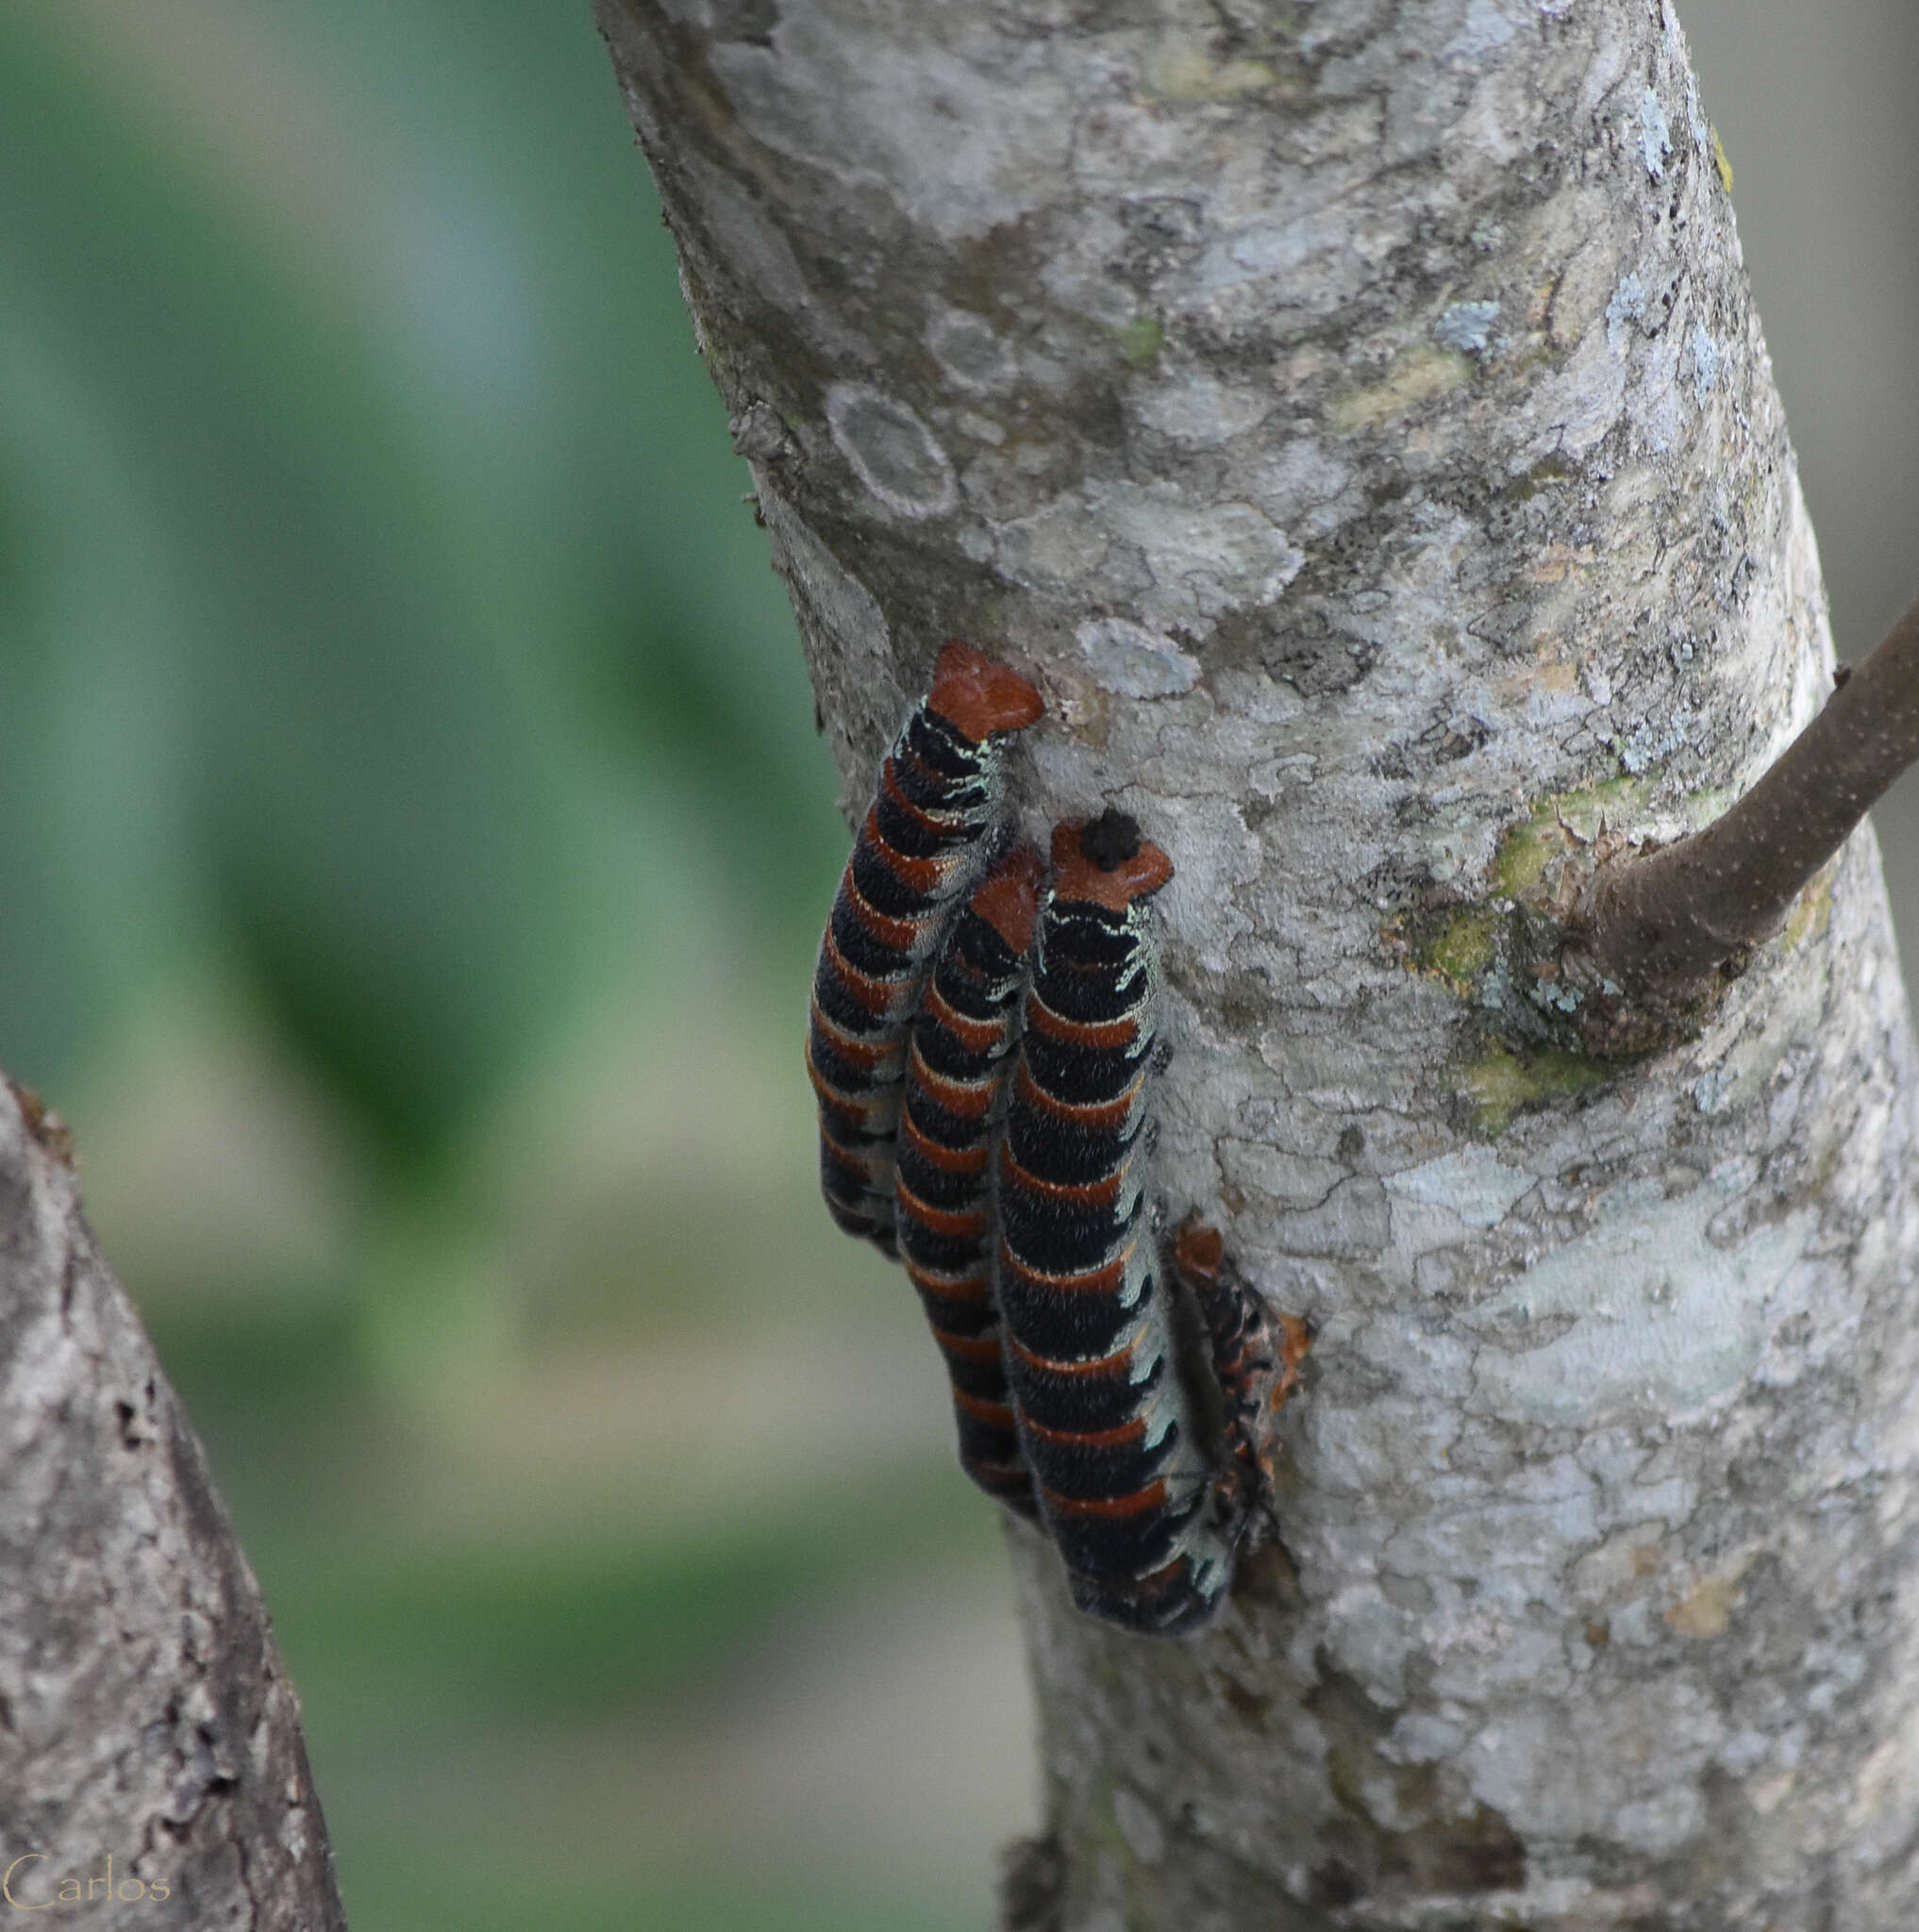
x,y
1353,415
151,1768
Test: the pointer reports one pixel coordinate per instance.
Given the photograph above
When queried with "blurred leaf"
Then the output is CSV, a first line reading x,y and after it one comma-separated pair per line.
x,y
395,1885
472,632
97,869
419,1636
376,822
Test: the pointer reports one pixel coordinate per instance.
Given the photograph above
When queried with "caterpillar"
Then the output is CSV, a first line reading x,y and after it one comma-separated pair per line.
x,y
919,848
1124,1483
955,1073
1256,1358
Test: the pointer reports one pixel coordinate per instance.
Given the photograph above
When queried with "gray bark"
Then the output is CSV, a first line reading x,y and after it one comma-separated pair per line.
x,y
150,1750
1352,413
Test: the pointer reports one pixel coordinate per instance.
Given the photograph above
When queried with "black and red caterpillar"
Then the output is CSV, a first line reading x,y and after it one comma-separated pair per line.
x,y
981,1050
1256,1357
920,846
1125,1484
954,1080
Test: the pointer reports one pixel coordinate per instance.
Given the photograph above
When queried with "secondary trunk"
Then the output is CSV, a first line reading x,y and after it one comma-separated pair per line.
x,y
152,1773
1354,416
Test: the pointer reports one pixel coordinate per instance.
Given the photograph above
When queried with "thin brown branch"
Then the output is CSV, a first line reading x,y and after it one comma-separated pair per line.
x,y
1679,913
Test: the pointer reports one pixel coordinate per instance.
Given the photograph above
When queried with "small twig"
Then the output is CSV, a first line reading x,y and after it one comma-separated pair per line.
x,y
1681,912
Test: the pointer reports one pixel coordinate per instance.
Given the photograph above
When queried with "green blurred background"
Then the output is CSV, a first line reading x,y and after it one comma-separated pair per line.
x,y
420,838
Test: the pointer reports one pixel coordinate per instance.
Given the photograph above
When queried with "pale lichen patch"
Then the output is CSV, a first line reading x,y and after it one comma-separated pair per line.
x,y
1134,661
1628,305
1198,410
1420,374
1178,69
1466,327
1708,1607
1277,1176
1485,29
970,351
1214,858
890,450
939,123
1705,363
1139,1825
1654,135
1643,1745
1664,1318
1055,549
1472,1183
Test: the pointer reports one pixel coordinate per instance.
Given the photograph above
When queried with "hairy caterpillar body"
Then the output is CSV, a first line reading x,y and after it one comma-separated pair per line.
x,y
955,1078
920,847
1124,1485
1256,1357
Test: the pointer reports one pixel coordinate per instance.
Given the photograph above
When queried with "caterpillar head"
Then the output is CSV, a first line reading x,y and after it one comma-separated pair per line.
x,y
979,696
1199,1254
1104,862
1009,900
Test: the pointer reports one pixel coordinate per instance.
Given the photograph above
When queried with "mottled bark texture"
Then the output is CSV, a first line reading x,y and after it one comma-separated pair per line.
x,y
1353,415
145,1716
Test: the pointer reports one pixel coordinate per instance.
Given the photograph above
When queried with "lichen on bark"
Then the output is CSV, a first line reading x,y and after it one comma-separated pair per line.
x,y
1353,415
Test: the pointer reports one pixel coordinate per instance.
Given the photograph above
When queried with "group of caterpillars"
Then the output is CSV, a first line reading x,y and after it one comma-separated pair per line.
x,y
982,1039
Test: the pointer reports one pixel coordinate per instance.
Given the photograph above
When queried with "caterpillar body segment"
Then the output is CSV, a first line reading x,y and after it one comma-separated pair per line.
x,y
954,1091
1257,1354
1124,1485
922,845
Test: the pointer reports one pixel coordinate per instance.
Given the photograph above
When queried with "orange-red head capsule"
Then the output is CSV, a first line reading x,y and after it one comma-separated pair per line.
x,y
1103,861
1199,1253
918,850
980,697
1009,900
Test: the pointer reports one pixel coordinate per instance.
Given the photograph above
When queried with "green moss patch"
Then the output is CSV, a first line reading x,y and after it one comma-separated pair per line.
x,y
1462,948
1501,1084
1141,339
1556,824
1525,853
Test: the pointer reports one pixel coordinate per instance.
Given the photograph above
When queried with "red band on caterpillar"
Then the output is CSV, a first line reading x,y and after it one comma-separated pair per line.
x,y
1125,1484
961,1047
920,847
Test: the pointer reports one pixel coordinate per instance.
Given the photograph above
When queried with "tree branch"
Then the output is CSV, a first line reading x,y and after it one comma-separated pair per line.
x,y
145,1715
1659,923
